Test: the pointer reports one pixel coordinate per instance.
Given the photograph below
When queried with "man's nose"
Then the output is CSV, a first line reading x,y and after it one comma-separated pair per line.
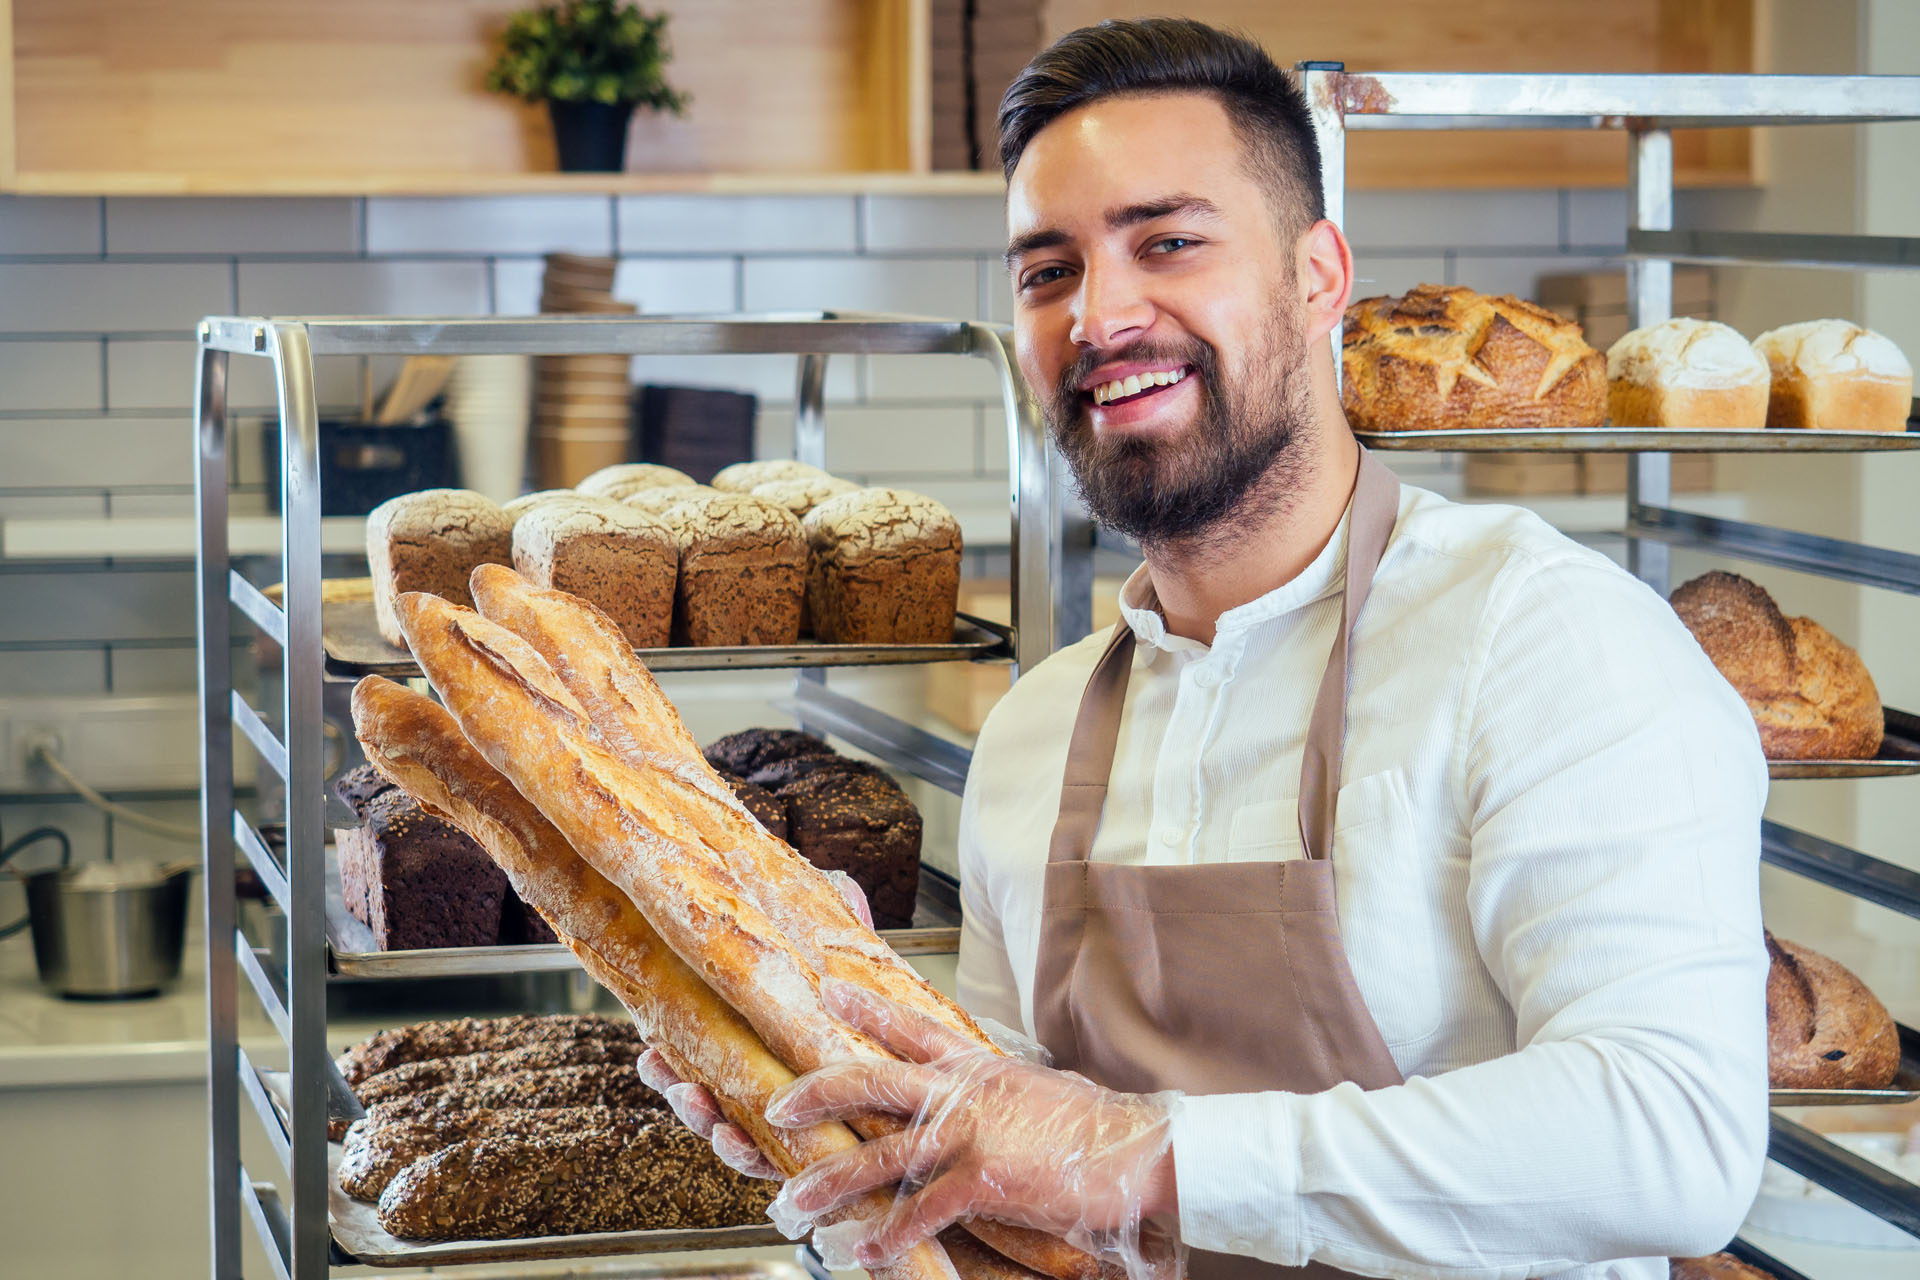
x,y
1110,308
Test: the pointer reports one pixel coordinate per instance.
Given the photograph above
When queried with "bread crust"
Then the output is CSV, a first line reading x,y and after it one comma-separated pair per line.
x,y
1686,373
430,541
1825,1030
1811,696
1447,358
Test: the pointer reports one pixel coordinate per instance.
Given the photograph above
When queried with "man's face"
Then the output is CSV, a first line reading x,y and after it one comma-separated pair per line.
x,y
1155,312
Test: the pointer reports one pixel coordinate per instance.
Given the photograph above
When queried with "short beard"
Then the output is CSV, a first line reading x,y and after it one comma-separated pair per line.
x,y
1239,452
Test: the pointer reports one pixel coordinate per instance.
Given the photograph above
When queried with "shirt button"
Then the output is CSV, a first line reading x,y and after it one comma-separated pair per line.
x,y
1167,839
1205,678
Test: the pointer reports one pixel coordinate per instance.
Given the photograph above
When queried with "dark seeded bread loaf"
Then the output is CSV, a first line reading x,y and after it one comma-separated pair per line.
x,y
858,821
419,881
417,1077
601,1086
372,1154
767,809
745,752
450,1038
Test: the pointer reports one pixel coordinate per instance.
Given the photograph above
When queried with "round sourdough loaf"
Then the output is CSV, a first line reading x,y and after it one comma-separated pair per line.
x,y
624,478
1686,373
883,568
430,541
741,477
1810,695
1825,1030
1446,358
608,553
1831,375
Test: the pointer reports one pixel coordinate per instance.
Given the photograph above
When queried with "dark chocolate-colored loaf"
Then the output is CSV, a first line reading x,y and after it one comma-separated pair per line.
x,y
424,882
860,822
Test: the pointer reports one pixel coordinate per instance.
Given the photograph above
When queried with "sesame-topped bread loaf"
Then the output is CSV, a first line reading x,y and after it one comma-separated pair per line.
x,y
630,477
804,494
453,1037
743,570
370,1156
517,507
608,553
430,541
742,477
417,880
767,809
617,1085
1443,357
1830,375
664,498
883,568
1686,373
660,1177
1810,694
544,1055
748,751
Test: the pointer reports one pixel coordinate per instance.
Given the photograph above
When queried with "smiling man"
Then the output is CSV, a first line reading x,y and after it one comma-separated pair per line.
x,y
1384,885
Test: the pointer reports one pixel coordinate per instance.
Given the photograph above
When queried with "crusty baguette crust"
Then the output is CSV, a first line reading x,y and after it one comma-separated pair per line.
x,y
634,718
417,744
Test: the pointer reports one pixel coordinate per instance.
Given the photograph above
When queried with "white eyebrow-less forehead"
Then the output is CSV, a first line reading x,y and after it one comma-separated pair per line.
x,y
1118,218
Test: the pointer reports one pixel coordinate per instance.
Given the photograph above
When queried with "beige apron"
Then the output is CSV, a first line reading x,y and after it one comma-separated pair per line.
x,y
1143,974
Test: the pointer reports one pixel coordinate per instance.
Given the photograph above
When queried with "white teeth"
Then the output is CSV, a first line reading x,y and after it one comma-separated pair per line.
x,y
1134,384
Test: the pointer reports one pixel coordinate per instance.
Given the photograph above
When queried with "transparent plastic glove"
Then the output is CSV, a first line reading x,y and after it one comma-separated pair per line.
x,y
695,1105
991,1137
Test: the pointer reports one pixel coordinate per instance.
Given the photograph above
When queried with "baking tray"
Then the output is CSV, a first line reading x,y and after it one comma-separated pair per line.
x,y
1905,1086
351,952
357,1230
354,648
1642,440
1899,755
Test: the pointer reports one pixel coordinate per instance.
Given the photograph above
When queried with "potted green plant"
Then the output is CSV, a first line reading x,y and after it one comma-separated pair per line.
x,y
593,62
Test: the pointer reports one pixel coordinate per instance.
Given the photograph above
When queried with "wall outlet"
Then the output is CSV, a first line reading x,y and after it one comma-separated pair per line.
x,y
125,744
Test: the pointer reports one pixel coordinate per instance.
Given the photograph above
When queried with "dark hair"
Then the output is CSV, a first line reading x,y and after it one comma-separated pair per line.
x,y
1175,55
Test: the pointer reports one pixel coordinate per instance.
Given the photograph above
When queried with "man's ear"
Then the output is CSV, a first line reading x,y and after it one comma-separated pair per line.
x,y
1323,264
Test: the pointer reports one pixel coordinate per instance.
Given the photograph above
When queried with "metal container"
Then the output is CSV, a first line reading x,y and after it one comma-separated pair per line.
x,y
109,931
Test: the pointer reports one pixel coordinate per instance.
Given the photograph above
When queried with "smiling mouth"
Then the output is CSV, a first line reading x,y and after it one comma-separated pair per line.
x,y
1136,386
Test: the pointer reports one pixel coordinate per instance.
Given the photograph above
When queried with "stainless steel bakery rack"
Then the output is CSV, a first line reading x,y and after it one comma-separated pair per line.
x,y
289,1209
1648,108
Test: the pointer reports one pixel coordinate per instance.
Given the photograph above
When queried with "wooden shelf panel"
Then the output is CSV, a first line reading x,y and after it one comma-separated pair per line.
x,y
227,183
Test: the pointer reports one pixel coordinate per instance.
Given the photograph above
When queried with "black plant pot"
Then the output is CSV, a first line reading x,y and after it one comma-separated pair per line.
x,y
591,136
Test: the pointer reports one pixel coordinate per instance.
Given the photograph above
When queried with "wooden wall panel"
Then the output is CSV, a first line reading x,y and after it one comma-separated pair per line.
x,y
1491,35
385,87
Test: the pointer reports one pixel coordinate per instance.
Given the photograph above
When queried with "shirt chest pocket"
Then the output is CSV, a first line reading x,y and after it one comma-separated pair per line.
x,y
1385,904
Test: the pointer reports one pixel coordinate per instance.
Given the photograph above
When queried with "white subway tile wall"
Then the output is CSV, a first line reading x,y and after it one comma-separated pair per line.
x,y
98,299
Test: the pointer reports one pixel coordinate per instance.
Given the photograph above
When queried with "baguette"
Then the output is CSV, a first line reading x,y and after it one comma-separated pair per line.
x,y
417,744
797,908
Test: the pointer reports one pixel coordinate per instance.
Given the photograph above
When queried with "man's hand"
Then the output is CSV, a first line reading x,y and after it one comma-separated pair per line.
x,y
990,1136
696,1106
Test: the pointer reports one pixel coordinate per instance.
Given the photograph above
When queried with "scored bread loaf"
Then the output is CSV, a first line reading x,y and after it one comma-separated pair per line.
x,y
1443,357
1829,375
743,571
455,1037
418,744
624,478
578,647
1825,1030
640,827
657,1177
615,555
1686,373
430,541
1810,695
742,477
883,567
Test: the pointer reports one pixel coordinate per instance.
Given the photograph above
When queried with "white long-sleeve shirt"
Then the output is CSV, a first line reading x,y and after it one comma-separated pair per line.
x,y
1546,863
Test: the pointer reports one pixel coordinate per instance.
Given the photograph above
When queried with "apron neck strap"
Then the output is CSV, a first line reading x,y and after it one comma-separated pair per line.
x,y
1096,729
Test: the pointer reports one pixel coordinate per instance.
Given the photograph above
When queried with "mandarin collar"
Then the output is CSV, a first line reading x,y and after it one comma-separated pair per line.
x,y
1326,576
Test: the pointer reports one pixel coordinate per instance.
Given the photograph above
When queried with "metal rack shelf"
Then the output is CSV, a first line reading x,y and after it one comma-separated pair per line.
x,y
292,1218
1838,867
1639,440
1783,548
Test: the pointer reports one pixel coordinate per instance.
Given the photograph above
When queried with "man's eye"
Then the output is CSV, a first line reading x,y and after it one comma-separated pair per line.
x,y
1170,244
1042,276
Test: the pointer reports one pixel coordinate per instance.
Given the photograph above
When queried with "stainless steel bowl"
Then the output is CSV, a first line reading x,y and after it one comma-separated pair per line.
x,y
109,930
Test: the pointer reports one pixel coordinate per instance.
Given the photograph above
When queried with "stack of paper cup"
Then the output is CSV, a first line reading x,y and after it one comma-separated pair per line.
x,y
490,401
582,403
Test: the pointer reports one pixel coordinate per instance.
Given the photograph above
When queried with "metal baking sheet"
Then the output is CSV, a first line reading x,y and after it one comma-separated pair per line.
x,y
1905,1086
354,648
1643,440
357,1230
1899,755
351,952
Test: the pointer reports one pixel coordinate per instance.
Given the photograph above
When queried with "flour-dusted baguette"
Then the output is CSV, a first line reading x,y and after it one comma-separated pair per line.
x,y
453,1037
579,647
418,744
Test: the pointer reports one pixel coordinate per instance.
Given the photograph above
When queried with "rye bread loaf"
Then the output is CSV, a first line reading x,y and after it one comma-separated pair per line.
x,y
767,809
743,477
804,493
745,753
1811,695
358,786
430,541
417,1077
370,1155
517,507
883,567
658,1177
743,569
418,881
860,822
1825,1030
1686,373
1443,357
1829,375
455,1037
615,555
629,477
658,501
